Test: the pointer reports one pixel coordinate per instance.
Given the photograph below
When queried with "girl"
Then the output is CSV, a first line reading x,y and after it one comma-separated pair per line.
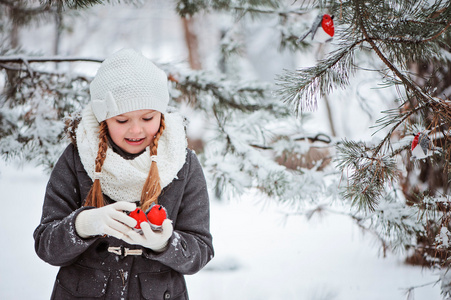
x,y
127,152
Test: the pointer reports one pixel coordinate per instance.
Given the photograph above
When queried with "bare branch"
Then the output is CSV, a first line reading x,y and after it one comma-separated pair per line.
x,y
31,59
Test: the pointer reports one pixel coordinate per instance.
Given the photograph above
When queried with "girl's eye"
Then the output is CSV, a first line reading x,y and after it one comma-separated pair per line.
x,y
121,121
148,119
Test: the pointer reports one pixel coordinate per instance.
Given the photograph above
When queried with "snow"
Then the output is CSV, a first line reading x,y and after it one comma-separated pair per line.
x,y
259,252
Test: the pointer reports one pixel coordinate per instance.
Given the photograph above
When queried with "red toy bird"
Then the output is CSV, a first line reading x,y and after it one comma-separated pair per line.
x,y
322,28
422,146
156,214
139,216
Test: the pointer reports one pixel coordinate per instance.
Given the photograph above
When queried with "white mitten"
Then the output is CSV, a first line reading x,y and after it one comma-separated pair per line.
x,y
155,240
109,219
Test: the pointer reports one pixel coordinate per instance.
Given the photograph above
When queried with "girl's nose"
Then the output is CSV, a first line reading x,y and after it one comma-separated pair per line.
x,y
135,128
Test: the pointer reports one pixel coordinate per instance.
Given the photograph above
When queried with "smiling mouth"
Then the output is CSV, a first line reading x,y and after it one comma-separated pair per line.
x,y
134,141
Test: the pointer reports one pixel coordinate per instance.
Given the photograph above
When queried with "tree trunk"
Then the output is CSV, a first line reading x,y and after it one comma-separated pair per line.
x,y
192,43
194,61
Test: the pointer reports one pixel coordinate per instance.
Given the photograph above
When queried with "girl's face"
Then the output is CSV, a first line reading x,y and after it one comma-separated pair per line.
x,y
135,130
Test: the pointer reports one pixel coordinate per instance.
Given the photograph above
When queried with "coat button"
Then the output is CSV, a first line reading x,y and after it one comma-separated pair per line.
x,y
167,295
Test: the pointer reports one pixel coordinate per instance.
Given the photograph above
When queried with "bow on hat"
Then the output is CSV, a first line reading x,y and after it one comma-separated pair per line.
x,y
104,107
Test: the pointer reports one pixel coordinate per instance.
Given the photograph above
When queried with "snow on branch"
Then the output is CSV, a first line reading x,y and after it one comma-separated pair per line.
x,y
301,88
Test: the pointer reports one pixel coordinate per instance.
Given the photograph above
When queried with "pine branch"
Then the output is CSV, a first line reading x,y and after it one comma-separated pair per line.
x,y
243,10
412,88
367,174
33,109
414,41
31,59
406,81
393,119
76,4
409,290
25,10
185,7
21,13
226,93
10,63
301,89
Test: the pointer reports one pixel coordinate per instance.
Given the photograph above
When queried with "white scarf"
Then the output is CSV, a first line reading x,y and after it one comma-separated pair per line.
x,y
121,179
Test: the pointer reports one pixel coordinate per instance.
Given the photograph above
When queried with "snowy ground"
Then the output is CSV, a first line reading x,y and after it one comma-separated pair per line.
x,y
259,255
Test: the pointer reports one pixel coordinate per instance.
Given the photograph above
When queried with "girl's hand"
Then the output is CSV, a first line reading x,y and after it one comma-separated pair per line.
x,y
110,220
154,240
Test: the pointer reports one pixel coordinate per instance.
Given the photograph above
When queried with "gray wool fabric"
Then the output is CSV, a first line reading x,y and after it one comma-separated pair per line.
x,y
89,271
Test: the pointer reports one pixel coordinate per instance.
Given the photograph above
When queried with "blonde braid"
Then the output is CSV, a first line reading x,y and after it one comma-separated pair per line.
x,y
95,196
152,188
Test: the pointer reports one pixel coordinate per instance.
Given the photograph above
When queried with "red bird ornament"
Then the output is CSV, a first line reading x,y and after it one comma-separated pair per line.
x,y
322,29
422,146
156,214
139,216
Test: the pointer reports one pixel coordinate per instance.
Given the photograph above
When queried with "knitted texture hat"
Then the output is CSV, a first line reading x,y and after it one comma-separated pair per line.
x,y
128,81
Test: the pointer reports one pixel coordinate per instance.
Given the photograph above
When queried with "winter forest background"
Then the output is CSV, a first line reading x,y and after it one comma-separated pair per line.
x,y
306,146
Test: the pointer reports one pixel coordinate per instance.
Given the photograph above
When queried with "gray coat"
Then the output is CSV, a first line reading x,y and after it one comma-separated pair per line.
x,y
89,271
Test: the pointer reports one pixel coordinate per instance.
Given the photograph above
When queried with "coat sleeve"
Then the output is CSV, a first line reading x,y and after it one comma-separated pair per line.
x,y
56,240
190,248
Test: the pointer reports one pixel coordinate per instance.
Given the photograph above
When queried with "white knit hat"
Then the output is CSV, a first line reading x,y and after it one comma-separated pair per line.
x,y
128,81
